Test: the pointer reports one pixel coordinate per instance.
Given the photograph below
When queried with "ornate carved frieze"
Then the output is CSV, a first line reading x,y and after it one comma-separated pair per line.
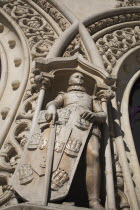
x,y
75,48
127,3
38,31
110,21
54,13
112,46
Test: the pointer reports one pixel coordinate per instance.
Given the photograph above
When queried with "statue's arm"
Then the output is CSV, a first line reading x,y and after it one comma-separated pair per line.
x,y
97,115
52,106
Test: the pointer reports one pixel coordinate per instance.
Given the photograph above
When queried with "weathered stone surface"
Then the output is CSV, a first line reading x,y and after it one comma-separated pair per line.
x,y
36,207
41,44
84,8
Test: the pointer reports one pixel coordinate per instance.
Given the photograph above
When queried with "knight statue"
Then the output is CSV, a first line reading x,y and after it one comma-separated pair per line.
x,y
77,117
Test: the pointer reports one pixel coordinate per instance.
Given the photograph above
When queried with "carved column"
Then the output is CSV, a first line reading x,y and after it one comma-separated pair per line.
x,y
123,159
42,81
105,95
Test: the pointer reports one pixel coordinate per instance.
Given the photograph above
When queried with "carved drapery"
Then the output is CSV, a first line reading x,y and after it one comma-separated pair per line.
x,y
41,34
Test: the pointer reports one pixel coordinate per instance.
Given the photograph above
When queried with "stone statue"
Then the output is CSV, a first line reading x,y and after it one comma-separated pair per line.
x,y
76,116
83,113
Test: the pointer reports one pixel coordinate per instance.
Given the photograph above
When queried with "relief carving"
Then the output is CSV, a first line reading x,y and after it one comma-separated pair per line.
x,y
76,117
122,200
127,3
38,31
40,36
113,46
20,132
70,118
106,22
54,13
59,177
25,174
8,158
73,147
7,190
75,48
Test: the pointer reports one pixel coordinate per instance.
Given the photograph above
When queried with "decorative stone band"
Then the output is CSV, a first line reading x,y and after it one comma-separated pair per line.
x,y
54,13
126,3
113,20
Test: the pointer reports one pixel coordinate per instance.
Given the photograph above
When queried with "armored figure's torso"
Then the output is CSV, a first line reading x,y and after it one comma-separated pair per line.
x,y
78,98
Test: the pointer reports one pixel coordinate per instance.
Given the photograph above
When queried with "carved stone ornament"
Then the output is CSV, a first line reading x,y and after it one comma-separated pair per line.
x,y
112,46
54,13
38,31
25,174
59,112
78,116
73,147
127,3
30,36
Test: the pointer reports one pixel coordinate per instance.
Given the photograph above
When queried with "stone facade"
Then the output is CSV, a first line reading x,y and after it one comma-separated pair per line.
x,y
42,43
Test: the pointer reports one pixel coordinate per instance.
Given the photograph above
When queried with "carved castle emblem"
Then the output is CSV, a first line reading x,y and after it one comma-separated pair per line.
x,y
82,124
59,146
33,144
64,115
73,147
25,174
59,177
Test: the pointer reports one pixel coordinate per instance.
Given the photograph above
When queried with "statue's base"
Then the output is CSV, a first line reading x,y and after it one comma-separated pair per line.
x,y
51,206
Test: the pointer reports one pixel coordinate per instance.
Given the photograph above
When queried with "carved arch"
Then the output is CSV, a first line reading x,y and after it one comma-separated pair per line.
x,y
131,73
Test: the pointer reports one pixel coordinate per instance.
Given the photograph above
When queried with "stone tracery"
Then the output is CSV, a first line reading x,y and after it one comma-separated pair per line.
x,y
112,46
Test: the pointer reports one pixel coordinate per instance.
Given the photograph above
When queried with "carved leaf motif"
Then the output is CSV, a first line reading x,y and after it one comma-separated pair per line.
x,y
106,22
75,47
39,32
113,46
54,13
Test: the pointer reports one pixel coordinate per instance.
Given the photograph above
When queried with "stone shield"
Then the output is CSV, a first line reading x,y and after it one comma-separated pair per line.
x,y
71,135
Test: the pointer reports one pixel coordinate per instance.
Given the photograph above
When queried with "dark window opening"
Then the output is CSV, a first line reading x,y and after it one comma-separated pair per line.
x,y
134,113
